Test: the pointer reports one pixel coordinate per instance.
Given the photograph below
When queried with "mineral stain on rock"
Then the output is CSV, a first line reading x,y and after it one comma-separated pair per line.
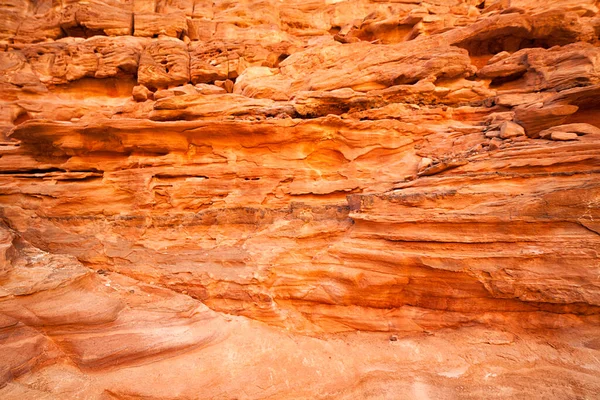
x,y
299,200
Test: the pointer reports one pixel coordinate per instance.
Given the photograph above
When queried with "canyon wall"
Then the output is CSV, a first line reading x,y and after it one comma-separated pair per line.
x,y
299,199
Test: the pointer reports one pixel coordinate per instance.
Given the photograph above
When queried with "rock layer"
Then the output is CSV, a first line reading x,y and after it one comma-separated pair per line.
x,y
352,199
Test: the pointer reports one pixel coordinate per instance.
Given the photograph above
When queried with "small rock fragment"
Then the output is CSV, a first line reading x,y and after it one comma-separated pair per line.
x,y
494,144
141,93
204,88
163,94
578,128
441,167
424,163
228,86
537,117
499,57
563,136
509,129
345,39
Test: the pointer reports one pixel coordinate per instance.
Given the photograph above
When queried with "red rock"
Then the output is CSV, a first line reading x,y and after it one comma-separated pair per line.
x,y
537,69
141,93
207,199
510,129
578,129
537,117
563,136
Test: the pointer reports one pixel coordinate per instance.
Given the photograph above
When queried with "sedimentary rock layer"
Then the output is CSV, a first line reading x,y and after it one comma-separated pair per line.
x,y
350,199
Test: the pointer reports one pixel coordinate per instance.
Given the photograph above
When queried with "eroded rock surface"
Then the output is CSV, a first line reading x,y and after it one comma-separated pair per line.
x,y
324,199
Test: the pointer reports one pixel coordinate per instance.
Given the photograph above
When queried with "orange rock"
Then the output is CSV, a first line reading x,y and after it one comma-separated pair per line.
x,y
154,25
348,199
141,93
563,136
510,129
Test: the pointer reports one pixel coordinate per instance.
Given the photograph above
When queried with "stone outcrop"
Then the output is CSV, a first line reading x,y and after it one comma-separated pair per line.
x,y
349,199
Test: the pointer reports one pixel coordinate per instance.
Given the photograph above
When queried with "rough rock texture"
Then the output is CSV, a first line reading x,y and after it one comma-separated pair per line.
x,y
310,199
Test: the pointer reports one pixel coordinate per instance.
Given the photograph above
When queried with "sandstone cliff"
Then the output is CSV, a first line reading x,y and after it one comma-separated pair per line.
x,y
301,199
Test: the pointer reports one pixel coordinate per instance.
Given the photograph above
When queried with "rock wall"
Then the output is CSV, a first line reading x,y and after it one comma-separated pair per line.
x,y
299,199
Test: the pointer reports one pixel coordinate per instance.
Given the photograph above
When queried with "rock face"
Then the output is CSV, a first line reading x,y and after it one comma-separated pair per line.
x,y
325,199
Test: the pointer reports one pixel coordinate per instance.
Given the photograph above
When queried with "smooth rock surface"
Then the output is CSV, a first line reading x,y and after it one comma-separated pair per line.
x,y
510,129
558,135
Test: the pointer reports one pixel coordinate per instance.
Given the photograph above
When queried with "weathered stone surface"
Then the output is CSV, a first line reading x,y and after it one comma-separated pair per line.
x,y
141,93
164,63
538,69
578,129
72,59
510,129
537,117
17,76
325,199
94,17
154,25
563,136
220,59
